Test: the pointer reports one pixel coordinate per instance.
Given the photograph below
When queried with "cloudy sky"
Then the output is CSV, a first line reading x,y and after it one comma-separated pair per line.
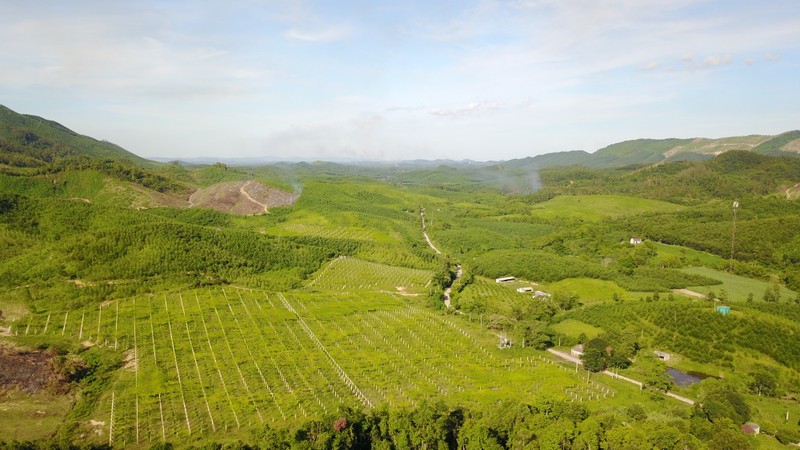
x,y
483,80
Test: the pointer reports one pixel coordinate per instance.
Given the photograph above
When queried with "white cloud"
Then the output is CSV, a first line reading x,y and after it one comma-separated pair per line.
x,y
475,108
324,34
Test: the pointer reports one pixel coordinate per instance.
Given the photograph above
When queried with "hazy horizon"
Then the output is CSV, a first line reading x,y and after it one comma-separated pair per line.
x,y
483,80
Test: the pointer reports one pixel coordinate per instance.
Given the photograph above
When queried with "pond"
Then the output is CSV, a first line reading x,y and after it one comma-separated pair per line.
x,y
686,378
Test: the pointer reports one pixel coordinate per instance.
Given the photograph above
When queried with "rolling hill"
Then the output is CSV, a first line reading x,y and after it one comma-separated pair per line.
x,y
31,141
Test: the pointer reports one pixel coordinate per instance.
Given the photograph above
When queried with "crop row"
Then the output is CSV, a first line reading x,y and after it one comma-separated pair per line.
x,y
207,361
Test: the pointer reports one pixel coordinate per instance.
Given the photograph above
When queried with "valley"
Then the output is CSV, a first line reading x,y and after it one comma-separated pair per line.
x,y
358,306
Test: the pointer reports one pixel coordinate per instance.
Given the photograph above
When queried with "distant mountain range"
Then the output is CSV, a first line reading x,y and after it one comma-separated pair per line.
x,y
30,141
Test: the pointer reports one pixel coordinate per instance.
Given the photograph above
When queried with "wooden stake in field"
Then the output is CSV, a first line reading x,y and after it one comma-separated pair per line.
x,y
64,327
161,410
99,315
111,421
116,325
46,324
83,315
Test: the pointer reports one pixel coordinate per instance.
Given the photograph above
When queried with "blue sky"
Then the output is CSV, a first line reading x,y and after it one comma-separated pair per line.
x,y
482,80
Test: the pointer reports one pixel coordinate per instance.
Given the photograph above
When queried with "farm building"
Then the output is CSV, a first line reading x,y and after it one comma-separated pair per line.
x,y
724,310
577,351
541,294
751,428
505,279
636,241
523,290
664,356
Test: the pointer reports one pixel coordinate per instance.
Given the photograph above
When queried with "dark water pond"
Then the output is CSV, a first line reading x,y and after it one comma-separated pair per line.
x,y
686,378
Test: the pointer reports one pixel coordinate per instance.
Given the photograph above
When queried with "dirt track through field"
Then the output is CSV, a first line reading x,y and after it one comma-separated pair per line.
x,y
247,195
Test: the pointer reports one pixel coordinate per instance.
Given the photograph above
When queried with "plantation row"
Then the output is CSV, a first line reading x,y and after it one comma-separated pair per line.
x,y
347,274
203,362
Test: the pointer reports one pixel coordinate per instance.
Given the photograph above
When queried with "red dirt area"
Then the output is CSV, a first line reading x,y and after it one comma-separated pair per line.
x,y
28,371
241,197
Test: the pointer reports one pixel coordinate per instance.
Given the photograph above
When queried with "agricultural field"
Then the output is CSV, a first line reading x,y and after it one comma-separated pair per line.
x,y
738,288
201,362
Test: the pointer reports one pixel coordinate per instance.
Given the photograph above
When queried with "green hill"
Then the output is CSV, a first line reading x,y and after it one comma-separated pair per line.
x,y
637,152
31,141
778,144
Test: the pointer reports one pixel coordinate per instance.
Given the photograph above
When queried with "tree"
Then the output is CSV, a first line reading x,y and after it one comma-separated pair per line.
x,y
596,355
772,294
763,382
534,334
636,412
655,373
722,403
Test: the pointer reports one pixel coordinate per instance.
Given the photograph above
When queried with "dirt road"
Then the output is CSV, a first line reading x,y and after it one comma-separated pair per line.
x,y
570,358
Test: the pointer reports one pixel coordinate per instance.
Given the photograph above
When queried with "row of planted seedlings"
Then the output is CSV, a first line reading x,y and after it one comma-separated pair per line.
x,y
201,362
346,273
392,351
417,353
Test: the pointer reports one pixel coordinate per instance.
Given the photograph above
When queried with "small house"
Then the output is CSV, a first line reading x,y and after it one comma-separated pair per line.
x,y
751,428
541,294
577,351
636,241
664,356
523,290
505,279
724,310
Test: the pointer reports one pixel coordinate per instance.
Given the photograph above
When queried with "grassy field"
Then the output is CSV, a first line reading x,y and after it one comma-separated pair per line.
x,y
574,328
597,207
684,255
591,290
28,417
738,287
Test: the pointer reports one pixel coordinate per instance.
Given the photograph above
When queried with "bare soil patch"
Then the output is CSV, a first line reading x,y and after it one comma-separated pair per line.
x,y
241,197
28,370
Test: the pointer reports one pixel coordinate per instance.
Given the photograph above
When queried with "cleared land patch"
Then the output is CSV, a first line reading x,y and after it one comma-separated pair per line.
x,y
241,197
738,287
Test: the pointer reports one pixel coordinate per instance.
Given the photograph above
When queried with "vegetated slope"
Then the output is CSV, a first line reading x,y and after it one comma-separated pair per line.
x,y
643,152
781,144
31,141
636,152
75,252
241,197
733,174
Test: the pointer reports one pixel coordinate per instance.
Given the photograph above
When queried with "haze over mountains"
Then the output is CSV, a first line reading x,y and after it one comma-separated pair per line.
x,y
29,140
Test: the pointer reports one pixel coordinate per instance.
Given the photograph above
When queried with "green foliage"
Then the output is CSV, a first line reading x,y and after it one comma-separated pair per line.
x,y
596,355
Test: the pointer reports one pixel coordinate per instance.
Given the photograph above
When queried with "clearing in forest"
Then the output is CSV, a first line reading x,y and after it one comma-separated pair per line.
x,y
597,207
241,197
